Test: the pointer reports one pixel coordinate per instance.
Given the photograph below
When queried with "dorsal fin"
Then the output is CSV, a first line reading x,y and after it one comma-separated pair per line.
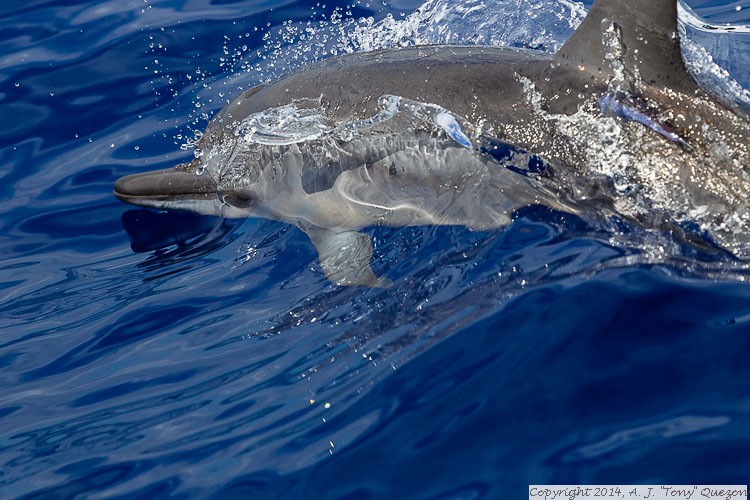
x,y
650,40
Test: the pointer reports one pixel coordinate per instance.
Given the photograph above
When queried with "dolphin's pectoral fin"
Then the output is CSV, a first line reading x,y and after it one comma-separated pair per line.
x,y
345,257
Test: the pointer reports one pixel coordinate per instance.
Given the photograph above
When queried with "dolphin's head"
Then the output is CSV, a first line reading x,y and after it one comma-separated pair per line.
x,y
182,188
208,185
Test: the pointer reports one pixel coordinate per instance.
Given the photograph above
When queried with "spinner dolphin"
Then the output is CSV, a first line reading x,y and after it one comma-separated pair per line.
x,y
467,135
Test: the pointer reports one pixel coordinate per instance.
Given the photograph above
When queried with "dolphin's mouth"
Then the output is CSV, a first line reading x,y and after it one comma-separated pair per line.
x,y
171,188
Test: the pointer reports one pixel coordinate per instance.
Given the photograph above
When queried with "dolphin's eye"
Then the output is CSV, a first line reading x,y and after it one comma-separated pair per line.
x,y
239,199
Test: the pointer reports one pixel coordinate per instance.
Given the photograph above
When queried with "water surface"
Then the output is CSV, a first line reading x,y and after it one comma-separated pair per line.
x,y
153,355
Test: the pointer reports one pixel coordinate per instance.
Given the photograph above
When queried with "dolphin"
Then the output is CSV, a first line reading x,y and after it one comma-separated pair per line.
x,y
467,135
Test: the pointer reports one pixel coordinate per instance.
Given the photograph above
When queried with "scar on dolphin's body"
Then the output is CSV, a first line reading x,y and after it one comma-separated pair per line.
x,y
467,135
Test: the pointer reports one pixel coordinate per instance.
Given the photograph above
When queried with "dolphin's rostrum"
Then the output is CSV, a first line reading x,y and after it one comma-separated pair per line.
x,y
465,135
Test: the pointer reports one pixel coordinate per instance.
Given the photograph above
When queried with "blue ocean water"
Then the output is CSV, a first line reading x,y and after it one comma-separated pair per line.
x,y
145,354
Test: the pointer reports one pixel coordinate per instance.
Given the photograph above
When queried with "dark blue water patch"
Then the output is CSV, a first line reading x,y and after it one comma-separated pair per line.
x,y
83,229
89,179
150,230
76,222
126,388
4,412
70,92
512,157
88,479
492,434
162,489
129,329
18,265
27,6
7,359
22,154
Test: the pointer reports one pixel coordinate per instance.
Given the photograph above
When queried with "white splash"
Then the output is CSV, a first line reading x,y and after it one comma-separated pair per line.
x,y
695,35
304,120
521,23
300,121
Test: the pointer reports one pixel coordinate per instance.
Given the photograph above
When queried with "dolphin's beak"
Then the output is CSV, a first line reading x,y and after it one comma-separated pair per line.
x,y
169,189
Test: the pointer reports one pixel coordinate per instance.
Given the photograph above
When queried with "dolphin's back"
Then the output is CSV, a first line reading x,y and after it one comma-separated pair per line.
x,y
455,77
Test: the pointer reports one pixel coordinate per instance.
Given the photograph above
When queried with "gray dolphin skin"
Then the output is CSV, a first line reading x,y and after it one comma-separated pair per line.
x,y
467,135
